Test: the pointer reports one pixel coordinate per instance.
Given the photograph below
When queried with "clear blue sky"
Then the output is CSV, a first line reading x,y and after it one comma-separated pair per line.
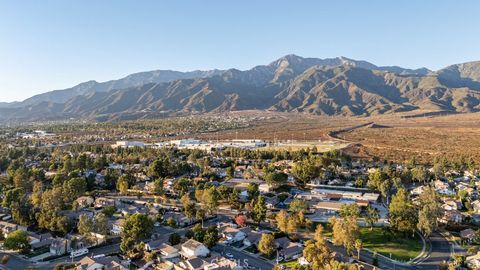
x,y
48,44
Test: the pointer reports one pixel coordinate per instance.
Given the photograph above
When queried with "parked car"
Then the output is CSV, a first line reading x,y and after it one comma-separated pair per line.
x,y
79,252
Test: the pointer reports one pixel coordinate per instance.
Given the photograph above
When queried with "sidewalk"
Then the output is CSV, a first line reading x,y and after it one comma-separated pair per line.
x,y
423,254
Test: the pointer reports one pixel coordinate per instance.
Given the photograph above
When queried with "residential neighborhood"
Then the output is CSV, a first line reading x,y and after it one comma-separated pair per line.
x,y
231,207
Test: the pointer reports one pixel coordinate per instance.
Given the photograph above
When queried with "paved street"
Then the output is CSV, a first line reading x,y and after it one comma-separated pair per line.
x,y
440,252
15,262
243,256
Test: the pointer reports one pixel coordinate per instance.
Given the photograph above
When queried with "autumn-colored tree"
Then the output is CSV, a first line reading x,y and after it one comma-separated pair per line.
x,y
241,220
345,232
282,220
267,244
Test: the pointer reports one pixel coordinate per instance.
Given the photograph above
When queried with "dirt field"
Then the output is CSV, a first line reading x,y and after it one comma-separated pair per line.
x,y
390,137
425,138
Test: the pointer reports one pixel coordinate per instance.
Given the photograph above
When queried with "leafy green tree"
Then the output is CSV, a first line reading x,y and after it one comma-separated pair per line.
x,y
171,222
420,174
17,240
137,227
109,210
259,211
13,196
292,225
100,162
181,186
276,179
376,178
53,201
430,211
402,213
21,179
67,164
298,205
252,191
306,170
85,225
59,179
37,193
81,162
122,184
234,199
174,239
160,168
101,224
349,210
372,215
158,187
211,237
22,212
74,187
210,199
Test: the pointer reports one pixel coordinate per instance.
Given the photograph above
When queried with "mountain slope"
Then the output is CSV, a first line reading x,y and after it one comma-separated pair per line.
x,y
336,86
135,79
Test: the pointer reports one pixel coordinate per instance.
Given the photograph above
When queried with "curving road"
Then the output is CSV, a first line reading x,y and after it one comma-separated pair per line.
x,y
441,251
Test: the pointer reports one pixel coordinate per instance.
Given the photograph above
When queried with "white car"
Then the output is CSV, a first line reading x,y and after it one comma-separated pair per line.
x,y
229,255
79,252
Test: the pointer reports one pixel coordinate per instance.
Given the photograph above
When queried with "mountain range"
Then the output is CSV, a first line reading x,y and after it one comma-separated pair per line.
x,y
334,86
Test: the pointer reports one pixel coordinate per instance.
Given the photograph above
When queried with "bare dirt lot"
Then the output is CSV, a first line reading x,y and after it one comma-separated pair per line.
x,y
390,137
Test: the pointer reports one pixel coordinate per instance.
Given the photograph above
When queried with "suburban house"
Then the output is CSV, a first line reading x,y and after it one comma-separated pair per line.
x,y
468,235
231,233
252,239
443,188
84,202
8,227
271,202
179,218
166,251
418,190
101,202
108,262
288,249
117,226
60,246
39,241
126,209
451,216
193,248
212,263
451,204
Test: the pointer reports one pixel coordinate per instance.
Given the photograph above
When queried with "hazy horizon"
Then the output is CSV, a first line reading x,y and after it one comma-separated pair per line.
x,y
52,45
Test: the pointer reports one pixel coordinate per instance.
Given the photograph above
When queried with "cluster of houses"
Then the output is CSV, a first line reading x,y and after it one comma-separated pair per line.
x,y
455,209
330,200
195,144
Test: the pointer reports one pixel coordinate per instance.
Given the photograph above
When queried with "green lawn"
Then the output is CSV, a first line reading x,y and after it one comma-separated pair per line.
x,y
290,264
400,247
